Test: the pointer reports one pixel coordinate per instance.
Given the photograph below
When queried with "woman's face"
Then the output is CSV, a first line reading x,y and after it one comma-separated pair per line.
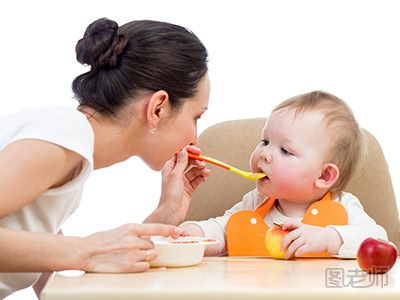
x,y
179,128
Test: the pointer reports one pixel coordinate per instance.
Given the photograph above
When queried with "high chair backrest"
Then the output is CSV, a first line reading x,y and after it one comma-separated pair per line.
x,y
233,141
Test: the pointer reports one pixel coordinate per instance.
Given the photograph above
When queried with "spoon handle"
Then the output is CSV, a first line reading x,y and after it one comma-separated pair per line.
x,y
210,160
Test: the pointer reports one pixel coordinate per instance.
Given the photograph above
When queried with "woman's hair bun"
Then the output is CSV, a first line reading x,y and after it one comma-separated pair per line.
x,y
101,45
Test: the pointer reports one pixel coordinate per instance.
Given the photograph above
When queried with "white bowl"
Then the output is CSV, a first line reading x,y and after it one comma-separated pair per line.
x,y
180,252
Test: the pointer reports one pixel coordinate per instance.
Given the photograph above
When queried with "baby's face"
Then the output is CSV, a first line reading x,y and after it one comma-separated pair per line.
x,y
292,153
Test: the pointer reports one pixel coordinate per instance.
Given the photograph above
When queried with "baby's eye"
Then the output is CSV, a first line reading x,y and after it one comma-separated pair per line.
x,y
286,152
265,142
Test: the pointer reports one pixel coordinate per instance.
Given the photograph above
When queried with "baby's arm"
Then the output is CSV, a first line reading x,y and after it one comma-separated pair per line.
x,y
339,240
210,228
361,226
191,229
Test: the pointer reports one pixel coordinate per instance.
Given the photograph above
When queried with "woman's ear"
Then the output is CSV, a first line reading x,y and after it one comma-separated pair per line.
x,y
328,177
157,108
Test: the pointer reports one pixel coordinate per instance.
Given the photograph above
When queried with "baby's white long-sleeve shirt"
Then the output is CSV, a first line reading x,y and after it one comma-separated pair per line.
x,y
360,224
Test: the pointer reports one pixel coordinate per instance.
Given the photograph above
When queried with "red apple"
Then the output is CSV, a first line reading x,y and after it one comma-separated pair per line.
x,y
273,241
376,255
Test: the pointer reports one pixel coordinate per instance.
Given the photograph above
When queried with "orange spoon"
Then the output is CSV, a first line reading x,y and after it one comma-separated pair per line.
x,y
245,174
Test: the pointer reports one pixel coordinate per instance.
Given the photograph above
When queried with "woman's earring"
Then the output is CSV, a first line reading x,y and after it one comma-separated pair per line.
x,y
152,130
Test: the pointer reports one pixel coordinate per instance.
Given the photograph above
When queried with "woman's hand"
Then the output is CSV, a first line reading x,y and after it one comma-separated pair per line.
x,y
125,249
180,177
306,238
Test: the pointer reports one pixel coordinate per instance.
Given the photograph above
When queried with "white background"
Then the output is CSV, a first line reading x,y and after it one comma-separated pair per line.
x,y
261,52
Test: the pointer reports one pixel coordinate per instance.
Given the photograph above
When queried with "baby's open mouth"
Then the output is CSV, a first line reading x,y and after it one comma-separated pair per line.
x,y
265,177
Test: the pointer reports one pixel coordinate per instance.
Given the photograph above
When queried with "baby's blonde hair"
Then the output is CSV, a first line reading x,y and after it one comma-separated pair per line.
x,y
347,139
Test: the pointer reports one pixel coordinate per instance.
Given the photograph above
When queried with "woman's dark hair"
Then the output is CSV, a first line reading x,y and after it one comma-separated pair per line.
x,y
140,56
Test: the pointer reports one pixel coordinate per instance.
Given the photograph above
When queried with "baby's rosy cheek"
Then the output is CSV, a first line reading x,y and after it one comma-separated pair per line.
x,y
285,172
285,184
286,177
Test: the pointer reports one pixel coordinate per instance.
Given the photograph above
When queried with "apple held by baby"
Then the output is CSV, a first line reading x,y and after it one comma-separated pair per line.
x,y
273,241
376,255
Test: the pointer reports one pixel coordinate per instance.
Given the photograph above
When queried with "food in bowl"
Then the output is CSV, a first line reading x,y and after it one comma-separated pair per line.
x,y
180,252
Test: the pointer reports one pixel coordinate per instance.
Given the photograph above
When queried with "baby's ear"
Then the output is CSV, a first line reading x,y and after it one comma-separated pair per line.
x,y
328,177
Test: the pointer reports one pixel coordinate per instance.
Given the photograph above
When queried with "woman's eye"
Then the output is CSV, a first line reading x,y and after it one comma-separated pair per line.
x,y
265,142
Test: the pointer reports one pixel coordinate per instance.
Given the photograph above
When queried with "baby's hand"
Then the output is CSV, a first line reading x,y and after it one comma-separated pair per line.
x,y
186,233
306,238
191,229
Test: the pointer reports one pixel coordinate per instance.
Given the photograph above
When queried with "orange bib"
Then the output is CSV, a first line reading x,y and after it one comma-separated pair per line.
x,y
246,229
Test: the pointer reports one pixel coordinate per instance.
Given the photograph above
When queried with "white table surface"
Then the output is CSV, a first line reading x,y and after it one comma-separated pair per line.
x,y
235,278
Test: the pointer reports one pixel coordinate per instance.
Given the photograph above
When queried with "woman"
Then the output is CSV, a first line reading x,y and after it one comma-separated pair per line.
x,y
146,88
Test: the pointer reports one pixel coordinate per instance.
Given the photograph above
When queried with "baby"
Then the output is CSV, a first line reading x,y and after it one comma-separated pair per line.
x,y
310,146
